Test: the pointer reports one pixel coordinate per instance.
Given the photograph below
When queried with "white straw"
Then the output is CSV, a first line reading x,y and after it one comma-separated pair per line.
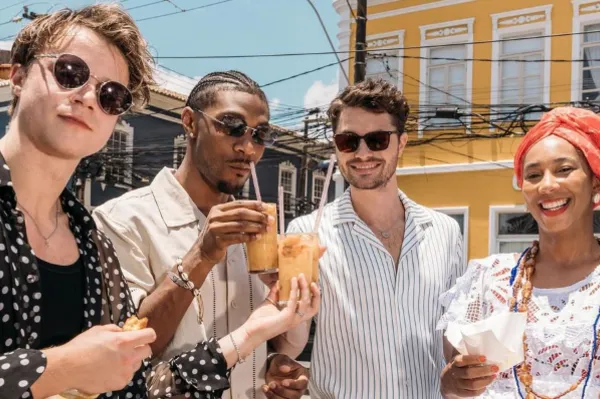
x,y
324,195
255,181
281,216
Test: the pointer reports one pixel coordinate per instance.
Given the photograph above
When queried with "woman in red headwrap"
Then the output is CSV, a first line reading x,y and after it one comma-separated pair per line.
x,y
555,282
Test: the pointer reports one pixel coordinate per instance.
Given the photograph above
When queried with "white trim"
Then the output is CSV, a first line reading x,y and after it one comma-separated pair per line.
x,y
493,243
421,7
579,22
338,178
123,127
317,175
457,39
4,109
289,167
459,210
454,167
344,31
500,32
178,142
399,50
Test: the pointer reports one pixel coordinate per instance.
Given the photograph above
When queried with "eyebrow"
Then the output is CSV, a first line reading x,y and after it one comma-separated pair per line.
x,y
556,161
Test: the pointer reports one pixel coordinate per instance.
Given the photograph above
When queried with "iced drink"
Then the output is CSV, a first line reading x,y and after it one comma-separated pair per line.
x,y
262,253
316,257
295,257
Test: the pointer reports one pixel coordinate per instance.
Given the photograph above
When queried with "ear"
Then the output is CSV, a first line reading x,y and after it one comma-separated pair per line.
x,y
188,121
17,76
402,140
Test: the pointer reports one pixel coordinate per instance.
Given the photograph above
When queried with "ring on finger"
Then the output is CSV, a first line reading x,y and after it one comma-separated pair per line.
x,y
272,302
299,313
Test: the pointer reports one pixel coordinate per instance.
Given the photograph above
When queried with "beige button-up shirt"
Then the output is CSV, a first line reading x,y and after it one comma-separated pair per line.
x,y
150,228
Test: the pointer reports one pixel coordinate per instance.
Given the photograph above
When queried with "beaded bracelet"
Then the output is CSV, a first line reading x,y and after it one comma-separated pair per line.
x,y
240,358
183,281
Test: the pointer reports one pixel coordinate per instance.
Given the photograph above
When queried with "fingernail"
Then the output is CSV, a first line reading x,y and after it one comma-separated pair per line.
x,y
265,389
272,385
271,220
482,359
495,369
258,236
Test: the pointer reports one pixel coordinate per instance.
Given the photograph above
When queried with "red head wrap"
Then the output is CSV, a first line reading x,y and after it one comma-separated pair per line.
x,y
580,127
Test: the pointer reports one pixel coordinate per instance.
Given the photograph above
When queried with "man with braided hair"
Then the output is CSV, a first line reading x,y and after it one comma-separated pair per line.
x,y
186,223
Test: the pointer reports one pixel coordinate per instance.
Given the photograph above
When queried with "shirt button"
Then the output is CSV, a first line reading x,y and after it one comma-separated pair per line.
x,y
31,340
234,304
32,278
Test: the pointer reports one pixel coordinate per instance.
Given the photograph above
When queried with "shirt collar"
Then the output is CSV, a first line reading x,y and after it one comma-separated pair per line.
x,y
343,210
71,206
174,203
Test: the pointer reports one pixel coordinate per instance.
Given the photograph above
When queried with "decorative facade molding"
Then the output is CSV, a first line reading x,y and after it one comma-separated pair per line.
x,y
393,41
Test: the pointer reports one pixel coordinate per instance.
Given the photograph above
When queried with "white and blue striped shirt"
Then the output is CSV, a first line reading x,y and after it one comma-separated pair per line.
x,y
376,335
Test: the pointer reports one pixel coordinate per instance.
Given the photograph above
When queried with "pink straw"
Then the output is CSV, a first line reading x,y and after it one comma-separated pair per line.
x,y
281,216
325,192
255,181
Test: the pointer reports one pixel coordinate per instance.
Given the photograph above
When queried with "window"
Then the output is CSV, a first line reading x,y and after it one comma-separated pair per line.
x,y
117,167
521,77
461,215
287,179
446,75
317,188
590,85
179,148
520,40
446,80
384,59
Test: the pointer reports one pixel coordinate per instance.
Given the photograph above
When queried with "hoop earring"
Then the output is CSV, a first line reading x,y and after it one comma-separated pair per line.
x,y
596,199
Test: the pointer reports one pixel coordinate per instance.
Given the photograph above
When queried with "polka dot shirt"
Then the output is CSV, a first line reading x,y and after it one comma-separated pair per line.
x,y
199,373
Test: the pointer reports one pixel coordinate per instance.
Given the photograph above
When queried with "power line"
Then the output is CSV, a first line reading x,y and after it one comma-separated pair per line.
x,y
184,10
303,73
267,55
351,10
329,40
145,5
13,5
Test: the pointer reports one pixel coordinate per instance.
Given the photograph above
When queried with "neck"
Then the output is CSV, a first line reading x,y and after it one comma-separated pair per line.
x,y
38,178
204,195
568,249
368,204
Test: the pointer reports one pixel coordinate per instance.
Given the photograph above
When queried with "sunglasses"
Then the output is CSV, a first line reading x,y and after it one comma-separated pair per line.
x,y
237,127
71,72
376,141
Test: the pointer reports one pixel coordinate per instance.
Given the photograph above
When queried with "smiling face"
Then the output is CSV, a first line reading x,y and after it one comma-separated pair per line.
x,y
68,123
558,185
366,169
223,160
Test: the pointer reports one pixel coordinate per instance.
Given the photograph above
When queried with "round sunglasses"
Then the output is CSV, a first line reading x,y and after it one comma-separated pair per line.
x,y
350,142
71,72
237,127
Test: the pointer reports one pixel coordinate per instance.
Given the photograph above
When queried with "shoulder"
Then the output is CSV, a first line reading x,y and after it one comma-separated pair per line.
x,y
129,208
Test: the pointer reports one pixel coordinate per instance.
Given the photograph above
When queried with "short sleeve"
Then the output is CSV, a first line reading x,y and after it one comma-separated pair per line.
x,y
465,302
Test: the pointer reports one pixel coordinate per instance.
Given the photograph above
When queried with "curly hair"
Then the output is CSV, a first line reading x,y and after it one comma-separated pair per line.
x,y
109,21
373,95
204,93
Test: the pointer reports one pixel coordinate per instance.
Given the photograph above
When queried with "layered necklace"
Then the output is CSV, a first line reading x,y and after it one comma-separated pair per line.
x,y
520,279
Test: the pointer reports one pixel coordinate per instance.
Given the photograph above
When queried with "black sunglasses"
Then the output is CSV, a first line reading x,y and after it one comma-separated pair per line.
x,y
236,127
71,72
376,141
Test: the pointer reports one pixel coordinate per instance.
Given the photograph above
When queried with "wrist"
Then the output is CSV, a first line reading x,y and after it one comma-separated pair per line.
x,y
59,375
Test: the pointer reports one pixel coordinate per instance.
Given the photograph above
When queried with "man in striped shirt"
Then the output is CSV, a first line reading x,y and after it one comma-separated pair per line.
x,y
388,260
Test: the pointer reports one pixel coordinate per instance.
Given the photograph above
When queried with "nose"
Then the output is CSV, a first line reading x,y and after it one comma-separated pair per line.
x,y
548,184
85,95
363,151
246,145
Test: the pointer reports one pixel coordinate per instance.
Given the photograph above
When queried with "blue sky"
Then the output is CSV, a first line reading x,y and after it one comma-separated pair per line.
x,y
235,27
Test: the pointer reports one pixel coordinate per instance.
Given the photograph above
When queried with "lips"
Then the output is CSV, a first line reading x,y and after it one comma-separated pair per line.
x,y
76,121
554,207
365,166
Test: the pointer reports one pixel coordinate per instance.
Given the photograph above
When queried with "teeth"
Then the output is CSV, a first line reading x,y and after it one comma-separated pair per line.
x,y
369,166
553,205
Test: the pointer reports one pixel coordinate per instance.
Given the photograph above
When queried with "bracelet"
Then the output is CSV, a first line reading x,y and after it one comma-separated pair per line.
x,y
240,358
182,280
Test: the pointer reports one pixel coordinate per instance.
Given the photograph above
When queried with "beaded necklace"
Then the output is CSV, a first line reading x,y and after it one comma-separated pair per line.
x,y
524,269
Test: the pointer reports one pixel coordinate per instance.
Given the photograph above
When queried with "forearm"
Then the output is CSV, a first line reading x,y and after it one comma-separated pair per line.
x,y
245,342
292,342
167,304
57,377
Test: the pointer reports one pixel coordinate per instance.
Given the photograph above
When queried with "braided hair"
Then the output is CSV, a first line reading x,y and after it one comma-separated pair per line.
x,y
203,95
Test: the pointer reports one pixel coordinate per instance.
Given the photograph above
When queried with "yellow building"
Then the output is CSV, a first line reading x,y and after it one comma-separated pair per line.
x,y
471,54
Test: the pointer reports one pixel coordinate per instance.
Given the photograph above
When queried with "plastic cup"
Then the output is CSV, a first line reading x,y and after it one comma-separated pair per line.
x,y
262,253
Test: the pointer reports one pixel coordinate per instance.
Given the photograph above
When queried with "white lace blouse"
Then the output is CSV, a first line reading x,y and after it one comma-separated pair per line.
x,y
559,331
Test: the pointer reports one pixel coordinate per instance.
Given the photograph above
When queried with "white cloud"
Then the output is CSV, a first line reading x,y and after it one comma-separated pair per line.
x,y
320,94
275,102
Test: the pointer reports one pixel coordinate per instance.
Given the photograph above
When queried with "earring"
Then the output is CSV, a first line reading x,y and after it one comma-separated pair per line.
x,y
192,135
596,199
